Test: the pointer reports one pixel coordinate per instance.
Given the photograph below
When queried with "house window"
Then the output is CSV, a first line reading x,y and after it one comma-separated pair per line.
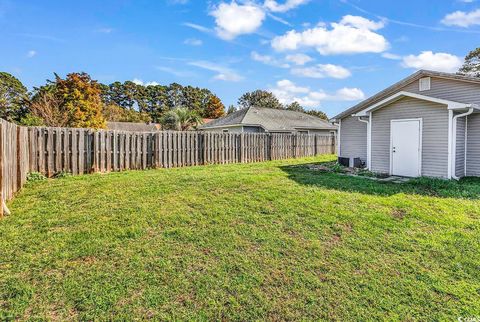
x,y
303,132
225,131
424,84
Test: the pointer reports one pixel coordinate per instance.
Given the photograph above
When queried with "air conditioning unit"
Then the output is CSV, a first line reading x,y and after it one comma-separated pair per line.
x,y
351,162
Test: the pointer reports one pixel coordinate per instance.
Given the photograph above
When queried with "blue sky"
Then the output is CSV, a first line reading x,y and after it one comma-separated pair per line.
x,y
327,54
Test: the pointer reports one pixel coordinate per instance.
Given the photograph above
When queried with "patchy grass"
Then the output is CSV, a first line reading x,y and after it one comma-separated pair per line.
x,y
266,241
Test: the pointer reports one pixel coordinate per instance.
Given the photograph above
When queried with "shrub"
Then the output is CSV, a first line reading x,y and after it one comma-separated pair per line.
x,y
35,176
62,174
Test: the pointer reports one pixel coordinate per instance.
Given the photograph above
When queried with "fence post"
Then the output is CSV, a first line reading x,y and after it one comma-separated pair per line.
x,y
94,150
333,145
269,143
241,145
2,198
19,160
294,145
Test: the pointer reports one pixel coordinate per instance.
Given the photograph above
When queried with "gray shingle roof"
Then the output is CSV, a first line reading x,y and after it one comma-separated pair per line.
x,y
132,127
392,89
272,120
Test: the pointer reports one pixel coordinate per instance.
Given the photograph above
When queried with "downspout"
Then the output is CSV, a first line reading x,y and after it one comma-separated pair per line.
x,y
454,141
368,139
337,135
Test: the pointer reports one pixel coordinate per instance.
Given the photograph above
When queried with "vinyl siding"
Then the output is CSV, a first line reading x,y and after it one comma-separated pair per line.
x,y
434,136
353,138
453,90
460,148
473,145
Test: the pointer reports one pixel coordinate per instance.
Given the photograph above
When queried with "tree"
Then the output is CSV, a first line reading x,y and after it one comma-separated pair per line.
x,y
13,98
47,105
471,66
115,113
295,106
319,114
215,108
82,100
259,98
231,109
181,119
169,121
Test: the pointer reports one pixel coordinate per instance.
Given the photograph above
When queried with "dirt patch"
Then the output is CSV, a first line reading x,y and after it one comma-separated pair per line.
x,y
399,213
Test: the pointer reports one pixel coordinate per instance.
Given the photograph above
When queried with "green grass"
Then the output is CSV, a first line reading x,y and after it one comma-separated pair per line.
x,y
266,241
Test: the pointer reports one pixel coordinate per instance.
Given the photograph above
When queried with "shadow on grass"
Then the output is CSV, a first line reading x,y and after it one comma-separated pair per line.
x,y
465,188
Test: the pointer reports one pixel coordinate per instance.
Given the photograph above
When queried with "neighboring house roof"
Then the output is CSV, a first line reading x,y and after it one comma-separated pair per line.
x,y
397,86
272,120
133,127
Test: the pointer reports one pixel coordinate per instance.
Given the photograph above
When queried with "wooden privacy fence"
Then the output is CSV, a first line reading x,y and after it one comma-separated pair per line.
x,y
78,151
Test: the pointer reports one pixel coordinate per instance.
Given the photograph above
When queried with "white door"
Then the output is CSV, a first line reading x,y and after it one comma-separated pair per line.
x,y
406,147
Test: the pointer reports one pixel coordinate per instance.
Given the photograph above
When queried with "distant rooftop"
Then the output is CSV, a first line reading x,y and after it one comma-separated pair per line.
x,y
133,127
272,120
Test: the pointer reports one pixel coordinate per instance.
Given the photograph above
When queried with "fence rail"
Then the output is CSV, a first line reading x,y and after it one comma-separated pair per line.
x,y
79,151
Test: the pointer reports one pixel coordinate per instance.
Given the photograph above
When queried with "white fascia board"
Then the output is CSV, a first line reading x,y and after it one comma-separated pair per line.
x,y
399,95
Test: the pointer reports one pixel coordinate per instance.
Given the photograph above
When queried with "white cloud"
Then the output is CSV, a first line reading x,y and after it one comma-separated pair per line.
x,y
268,60
233,19
282,21
361,23
223,73
351,35
391,56
290,87
299,59
274,6
434,61
31,53
287,92
462,18
323,71
349,94
141,82
193,42
197,27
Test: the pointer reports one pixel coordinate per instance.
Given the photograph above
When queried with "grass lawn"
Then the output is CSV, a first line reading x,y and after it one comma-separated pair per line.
x,y
270,240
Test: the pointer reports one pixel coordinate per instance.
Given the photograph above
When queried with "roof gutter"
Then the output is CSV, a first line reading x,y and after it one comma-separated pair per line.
x,y
454,137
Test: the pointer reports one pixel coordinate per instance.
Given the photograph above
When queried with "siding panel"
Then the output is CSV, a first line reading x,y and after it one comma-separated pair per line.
x,y
353,138
454,90
434,136
473,145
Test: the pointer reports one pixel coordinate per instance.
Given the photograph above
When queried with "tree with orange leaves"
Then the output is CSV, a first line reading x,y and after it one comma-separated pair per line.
x,y
81,100
214,108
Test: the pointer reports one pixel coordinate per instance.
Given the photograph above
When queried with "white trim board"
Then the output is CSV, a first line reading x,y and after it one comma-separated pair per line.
x,y
452,105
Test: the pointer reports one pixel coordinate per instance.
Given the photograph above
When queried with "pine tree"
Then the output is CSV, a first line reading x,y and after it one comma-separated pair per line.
x,y
471,66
